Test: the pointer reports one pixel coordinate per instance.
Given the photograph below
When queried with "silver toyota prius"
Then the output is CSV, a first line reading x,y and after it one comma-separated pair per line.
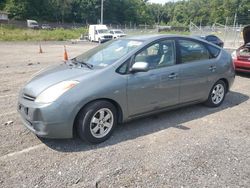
x,y
121,80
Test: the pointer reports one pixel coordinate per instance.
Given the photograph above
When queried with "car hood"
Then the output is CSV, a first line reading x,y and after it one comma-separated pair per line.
x,y
52,76
246,34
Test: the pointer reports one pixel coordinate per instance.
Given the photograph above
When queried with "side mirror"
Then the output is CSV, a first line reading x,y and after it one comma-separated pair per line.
x,y
139,67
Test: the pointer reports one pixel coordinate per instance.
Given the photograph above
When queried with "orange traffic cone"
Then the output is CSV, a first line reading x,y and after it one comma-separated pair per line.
x,y
40,49
65,55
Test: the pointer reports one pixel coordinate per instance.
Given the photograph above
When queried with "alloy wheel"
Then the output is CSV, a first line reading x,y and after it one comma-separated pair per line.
x,y
218,93
101,123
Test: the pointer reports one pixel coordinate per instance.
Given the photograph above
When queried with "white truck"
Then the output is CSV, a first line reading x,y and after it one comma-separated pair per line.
x,y
32,24
99,33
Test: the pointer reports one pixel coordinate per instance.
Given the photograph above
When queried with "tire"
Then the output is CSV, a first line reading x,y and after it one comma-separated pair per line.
x,y
217,94
99,41
96,122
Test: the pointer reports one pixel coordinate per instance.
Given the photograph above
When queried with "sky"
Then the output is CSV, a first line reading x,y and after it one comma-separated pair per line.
x,y
161,1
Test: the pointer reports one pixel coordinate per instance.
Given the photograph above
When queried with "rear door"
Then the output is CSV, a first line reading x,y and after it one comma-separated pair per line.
x,y
196,69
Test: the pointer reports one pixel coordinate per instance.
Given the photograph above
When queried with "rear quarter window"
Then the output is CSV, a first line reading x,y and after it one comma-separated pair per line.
x,y
214,51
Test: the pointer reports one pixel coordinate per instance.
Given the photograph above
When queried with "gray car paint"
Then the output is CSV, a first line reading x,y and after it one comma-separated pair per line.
x,y
133,94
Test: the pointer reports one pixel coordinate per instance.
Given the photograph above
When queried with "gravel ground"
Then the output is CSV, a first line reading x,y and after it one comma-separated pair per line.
x,y
193,146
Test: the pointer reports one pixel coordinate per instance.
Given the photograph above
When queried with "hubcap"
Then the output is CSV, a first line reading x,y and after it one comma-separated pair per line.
x,y
101,123
218,93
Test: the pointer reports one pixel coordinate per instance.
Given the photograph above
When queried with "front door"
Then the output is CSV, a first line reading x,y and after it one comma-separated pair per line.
x,y
159,87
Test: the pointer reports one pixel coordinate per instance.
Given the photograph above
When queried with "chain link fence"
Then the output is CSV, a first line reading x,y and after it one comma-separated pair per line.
x,y
231,36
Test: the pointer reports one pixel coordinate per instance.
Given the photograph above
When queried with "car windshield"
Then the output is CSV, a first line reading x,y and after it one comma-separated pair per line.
x,y
118,32
107,53
100,31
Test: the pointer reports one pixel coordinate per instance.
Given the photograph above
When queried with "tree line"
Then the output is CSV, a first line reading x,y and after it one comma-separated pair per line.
x,y
200,12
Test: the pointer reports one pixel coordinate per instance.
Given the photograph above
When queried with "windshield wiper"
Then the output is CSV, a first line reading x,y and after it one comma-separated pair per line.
x,y
90,66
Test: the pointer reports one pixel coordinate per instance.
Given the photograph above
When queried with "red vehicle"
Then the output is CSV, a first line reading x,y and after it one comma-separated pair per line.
x,y
241,56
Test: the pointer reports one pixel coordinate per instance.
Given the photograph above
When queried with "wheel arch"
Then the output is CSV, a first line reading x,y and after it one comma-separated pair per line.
x,y
116,104
226,82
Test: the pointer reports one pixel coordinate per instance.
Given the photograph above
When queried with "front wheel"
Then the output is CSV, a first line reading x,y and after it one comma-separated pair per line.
x,y
217,94
97,121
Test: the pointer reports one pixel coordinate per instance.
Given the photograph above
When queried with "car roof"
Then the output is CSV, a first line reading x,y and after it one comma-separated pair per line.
x,y
159,36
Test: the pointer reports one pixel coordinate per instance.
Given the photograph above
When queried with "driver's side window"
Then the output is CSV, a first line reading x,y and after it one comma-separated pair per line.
x,y
157,55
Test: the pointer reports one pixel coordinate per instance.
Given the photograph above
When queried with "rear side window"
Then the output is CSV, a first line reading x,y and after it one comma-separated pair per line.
x,y
192,51
214,51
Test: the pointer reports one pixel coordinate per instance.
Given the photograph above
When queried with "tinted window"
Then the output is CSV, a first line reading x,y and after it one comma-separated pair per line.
x,y
192,51
160,54
214,51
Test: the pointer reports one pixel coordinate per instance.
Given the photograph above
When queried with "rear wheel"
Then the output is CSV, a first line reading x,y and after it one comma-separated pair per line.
x,y
97,121
217,94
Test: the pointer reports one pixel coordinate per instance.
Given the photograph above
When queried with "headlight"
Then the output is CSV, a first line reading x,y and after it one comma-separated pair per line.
x,y
234,55
52,93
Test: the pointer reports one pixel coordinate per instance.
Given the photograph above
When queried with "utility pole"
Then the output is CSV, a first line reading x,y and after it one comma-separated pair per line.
x,y
236,12
235,18
102,11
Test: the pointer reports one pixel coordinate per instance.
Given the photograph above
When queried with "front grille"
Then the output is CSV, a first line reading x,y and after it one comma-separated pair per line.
x,y
108,37
28,97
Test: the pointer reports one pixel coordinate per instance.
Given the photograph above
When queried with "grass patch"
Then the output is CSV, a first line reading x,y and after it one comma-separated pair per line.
x,y
8,33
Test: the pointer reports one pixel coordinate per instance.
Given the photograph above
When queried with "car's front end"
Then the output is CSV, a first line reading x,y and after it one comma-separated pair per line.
x,y
43,103
45,120
105,37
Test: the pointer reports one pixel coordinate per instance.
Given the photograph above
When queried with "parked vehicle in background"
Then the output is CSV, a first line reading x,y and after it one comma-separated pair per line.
x,y
99,33
117,33
46,27
213,39
241,56
32,24
122,80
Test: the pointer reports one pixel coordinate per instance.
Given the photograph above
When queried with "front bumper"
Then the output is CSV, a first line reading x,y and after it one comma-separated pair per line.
x,y
242,66
105,39
47,121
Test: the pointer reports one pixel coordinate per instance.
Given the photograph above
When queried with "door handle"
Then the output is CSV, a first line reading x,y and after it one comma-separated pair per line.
x,y
173,76
212,68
